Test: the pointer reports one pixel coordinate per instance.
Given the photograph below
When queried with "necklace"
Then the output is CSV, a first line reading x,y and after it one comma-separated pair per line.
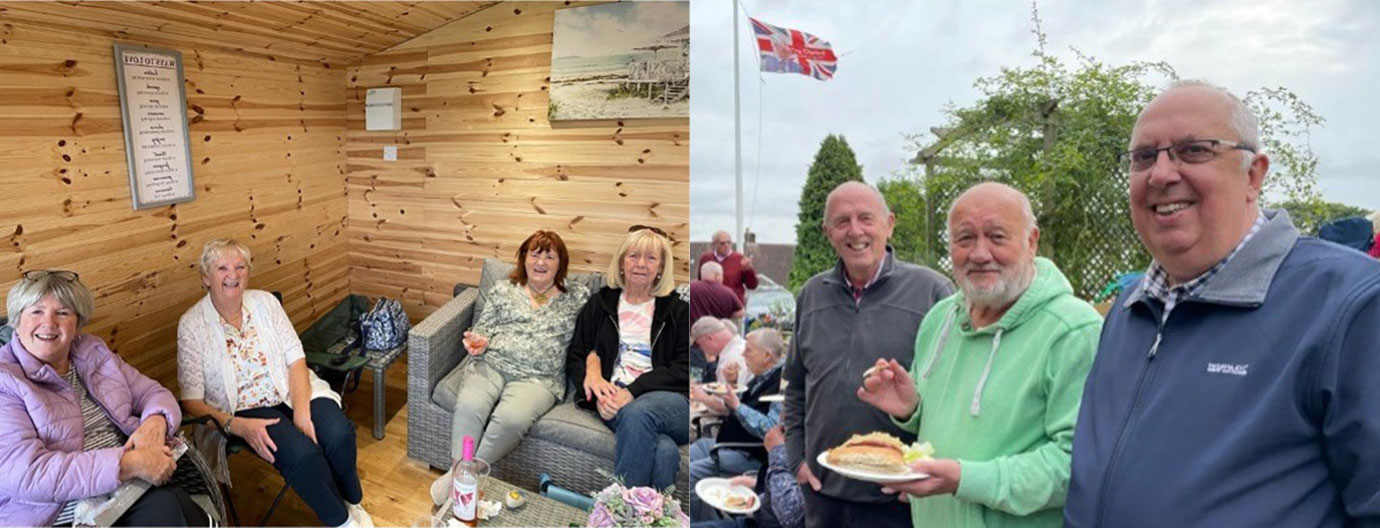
x,y
540,296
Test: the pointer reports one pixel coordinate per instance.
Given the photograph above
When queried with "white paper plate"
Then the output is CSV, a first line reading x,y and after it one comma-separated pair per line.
x,y
856,474
720,388
714,491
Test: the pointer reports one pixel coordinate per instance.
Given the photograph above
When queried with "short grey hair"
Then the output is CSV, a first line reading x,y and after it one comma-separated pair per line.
x,y
73,294
711,268
769,339
704,326
886,209
1242,121
717,234
217,249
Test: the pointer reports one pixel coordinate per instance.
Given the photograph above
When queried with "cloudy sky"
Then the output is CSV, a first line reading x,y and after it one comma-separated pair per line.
x,y
902,61
584,32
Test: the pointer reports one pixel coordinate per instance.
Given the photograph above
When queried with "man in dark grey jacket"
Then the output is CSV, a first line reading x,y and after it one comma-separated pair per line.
x,y
868,307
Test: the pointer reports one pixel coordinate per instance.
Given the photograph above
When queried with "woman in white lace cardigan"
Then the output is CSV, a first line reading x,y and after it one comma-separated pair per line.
x,y
240,361
516,369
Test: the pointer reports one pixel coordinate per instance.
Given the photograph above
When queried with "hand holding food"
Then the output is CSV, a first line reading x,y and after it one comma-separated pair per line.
x,y
887,386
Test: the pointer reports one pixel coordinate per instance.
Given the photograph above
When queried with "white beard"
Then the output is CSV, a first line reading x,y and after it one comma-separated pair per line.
x,y
1008,287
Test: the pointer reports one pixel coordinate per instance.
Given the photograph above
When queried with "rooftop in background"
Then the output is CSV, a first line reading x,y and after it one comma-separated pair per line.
x,y
772,260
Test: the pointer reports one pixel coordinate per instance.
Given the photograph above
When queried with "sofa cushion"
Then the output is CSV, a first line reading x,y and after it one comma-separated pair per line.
x,y
449,388
575,428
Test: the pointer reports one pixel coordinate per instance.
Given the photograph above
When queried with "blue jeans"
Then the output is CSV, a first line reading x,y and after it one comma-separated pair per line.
x,y
729,463
323,475
648,431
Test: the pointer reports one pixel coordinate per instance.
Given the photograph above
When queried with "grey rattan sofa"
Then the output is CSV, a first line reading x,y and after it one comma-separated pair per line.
x,y
568,443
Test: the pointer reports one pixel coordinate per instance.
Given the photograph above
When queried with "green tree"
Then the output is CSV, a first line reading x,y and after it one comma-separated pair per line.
x,y
1309,215
1054,131
834,164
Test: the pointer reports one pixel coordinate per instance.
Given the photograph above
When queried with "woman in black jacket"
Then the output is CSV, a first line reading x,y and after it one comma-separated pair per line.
x,y
631,353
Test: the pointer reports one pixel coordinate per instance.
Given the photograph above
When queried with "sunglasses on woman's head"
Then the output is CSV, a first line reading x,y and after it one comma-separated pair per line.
x,y
66,275
640,227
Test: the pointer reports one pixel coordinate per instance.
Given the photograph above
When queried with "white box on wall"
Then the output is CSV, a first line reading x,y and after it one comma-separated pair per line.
x,y
383,109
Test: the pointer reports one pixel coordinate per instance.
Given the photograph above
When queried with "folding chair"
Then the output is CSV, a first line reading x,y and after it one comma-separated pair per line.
x,y
233,445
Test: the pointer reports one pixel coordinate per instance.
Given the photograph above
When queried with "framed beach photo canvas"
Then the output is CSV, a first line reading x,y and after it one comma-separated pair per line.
x,y
620,61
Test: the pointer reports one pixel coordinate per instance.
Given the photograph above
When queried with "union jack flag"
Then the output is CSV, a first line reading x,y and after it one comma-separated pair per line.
x,y
786,50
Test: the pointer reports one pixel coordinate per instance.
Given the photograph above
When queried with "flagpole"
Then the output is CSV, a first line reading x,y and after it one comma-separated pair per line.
x,y
738,234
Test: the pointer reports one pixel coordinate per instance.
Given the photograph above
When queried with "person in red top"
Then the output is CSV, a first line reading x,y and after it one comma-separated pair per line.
x,y
738,273
708,296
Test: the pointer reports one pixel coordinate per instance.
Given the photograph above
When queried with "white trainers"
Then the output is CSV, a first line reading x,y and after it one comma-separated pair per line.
x,y
440,489
360,517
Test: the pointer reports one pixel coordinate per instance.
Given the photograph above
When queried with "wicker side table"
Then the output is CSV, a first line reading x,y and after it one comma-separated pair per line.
x,y
539,510
377,361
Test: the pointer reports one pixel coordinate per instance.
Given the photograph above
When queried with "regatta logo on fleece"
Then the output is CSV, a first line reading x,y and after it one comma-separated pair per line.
x,y
1228,368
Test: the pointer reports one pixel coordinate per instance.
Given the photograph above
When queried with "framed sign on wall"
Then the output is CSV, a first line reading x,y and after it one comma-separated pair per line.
x,y
153,106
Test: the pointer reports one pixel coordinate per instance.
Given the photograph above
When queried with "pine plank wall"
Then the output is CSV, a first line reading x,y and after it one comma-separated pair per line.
x,y
479,167
282,161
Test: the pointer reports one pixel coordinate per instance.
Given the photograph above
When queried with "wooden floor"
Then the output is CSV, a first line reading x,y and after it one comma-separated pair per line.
x,y
395,487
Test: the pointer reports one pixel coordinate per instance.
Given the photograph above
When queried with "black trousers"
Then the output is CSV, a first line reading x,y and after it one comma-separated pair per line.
x,y
165,505
826,511
325,475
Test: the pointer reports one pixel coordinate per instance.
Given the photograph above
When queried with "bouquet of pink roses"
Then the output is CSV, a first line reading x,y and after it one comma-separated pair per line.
x,y
618,505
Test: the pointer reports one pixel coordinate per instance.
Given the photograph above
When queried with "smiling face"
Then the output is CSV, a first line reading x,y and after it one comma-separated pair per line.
x,y
1190,216
992,245
858,226
541,267
228,279
46,329
640,266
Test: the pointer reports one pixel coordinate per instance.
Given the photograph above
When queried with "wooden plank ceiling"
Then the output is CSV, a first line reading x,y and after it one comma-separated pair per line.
x,y
325,33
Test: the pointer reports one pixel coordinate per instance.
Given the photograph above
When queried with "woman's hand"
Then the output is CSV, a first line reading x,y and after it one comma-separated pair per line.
x,y
597,387
302,419
152,432
475,344
609,407
254,431
154,464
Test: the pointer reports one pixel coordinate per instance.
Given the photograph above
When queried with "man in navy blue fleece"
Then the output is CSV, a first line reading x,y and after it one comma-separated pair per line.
x,y
1238,383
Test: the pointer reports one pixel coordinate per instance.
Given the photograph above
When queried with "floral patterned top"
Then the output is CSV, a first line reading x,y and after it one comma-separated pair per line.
x,y
528,343
256,389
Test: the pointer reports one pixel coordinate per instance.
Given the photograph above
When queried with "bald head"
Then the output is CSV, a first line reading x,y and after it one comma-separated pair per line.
x,y
856,189
998,195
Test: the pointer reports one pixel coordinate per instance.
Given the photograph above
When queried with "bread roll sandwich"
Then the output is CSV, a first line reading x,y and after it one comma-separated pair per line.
x,y
872,452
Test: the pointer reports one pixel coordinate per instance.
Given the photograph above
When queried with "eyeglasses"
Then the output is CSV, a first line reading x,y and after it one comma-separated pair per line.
x,y
640,227
64,275
1191,152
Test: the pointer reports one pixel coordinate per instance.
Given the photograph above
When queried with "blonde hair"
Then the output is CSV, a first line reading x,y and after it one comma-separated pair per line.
x,y
217,249
644,240
72,294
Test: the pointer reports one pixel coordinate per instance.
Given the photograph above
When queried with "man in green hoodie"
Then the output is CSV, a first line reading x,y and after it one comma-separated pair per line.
x,y
997,376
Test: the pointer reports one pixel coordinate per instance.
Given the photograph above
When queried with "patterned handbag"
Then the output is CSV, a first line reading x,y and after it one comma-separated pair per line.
x,y
385,326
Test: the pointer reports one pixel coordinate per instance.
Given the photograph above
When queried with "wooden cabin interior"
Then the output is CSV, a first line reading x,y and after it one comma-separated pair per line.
x,y
282,162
